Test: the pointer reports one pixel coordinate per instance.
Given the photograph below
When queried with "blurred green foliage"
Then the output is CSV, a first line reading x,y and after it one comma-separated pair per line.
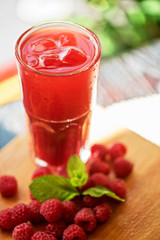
x,y
122,24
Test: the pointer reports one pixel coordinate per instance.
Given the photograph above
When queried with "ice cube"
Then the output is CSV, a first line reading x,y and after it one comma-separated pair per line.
x,y
51,61
32,61
42,45
66,39
74,56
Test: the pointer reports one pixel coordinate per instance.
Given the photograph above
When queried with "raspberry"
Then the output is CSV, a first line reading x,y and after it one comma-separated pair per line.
x,y
6,219
118,186
8,186
22,232
20,214
52,210
98,151
56,229
122,167
99,179
35,216
42,236
73,232
70,211
85,218
102,212
99,166
41,171
90,202
117,150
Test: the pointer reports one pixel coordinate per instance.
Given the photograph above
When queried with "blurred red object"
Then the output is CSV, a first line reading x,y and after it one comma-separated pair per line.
x,y
8,70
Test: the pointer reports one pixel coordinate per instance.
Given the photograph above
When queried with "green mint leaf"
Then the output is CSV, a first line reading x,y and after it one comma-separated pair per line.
x,y
53,186
78,182
99,191
76,171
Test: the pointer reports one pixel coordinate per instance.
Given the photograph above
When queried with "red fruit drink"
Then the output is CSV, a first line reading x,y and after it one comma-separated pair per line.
x,y
58,66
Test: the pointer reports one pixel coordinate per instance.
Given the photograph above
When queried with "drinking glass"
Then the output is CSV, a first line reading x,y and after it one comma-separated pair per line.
x,y
58,65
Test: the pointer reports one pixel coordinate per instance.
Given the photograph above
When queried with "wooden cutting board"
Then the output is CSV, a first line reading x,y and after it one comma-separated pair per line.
x,y
136,219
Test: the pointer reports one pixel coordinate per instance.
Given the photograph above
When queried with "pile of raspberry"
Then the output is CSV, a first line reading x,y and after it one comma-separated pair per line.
x,y
109,167
68,220
62,220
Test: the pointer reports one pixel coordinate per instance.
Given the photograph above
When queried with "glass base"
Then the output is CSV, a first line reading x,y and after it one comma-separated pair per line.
x,y
61,170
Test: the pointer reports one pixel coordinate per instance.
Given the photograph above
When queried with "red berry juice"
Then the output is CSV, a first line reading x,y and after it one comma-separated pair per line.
x,y
58,65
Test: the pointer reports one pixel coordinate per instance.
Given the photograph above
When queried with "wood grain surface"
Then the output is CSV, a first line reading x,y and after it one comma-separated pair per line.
x,y
136,219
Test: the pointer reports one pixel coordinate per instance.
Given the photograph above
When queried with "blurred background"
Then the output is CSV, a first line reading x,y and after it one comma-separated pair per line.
x,y
121,25
129,32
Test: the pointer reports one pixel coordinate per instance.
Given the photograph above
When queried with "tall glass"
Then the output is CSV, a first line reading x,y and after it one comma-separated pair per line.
x,y
58,65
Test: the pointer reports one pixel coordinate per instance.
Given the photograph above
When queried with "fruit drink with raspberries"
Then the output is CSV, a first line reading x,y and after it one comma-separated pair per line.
x,y
58,66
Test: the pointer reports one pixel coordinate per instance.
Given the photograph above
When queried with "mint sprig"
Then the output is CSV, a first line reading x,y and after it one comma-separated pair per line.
x,y
76,171
62,188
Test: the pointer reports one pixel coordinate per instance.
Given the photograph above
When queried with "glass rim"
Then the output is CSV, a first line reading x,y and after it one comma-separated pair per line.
x,y
58,23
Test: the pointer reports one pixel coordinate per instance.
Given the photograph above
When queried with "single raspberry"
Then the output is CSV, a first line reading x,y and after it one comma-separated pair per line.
x,y
20,213
8,186
98,151
35,216
90,202
23,231
117,150
118,186
41,171
99,179
56,229
6,219
102,212
98,166
42,236
70,211
122,167
52,210
73,232
86,219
